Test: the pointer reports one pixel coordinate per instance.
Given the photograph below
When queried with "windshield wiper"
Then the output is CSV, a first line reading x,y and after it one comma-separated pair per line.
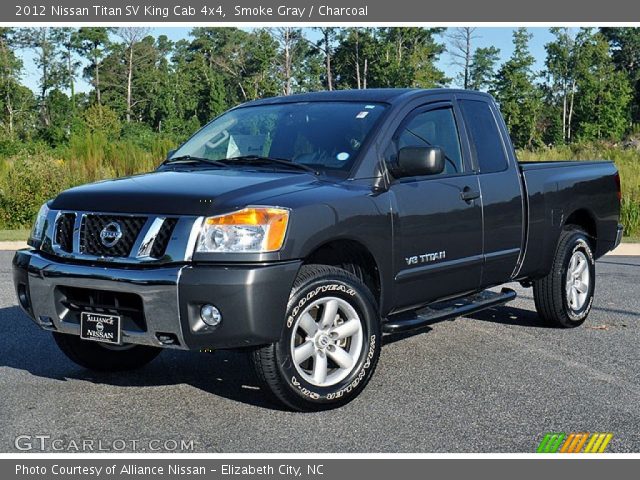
x,y
189,160
257,159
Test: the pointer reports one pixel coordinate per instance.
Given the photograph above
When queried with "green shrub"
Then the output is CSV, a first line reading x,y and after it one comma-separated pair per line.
x,y
27,182
103,120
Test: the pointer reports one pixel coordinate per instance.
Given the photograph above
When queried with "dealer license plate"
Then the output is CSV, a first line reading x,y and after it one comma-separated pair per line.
x,y
99,327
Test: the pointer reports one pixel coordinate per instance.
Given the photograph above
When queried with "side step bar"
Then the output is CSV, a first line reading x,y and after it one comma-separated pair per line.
x,y
447,310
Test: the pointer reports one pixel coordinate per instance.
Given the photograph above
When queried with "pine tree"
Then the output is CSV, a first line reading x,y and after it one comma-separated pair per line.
x,y
519,97
482,71
604,94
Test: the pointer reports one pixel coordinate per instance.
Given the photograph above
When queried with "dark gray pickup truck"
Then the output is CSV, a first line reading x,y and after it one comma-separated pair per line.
x,y
303,228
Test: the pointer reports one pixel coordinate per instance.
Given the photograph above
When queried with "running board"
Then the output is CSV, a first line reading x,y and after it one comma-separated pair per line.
x,y
450,309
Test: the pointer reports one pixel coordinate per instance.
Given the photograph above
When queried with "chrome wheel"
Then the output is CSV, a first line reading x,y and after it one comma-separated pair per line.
x,y
578,280
326,341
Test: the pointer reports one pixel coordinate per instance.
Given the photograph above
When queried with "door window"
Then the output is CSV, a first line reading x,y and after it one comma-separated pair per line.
x,y
434,128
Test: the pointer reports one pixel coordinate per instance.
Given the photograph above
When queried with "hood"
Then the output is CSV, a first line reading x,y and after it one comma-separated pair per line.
x,y
182,192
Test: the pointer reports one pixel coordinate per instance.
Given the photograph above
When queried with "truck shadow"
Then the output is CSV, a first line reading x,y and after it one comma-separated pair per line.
x,y
505,315
226,374
508,315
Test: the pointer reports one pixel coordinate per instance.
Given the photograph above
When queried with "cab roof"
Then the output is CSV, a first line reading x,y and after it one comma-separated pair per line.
x,y
385,95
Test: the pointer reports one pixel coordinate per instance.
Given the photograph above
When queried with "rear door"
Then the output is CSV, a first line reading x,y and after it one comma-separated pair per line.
x,y
501,189
437,222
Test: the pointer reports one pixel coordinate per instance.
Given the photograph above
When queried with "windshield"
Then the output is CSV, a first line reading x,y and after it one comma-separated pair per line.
x,y
323,135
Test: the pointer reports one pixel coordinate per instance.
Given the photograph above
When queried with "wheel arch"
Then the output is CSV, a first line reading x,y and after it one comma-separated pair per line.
x,y
584,219
353,256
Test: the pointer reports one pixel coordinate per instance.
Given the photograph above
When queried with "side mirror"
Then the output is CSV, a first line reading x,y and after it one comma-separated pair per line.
x,y
417,161
170,153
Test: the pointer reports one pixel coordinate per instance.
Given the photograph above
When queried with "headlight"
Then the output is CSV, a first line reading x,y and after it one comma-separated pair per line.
x,y
250,230
37,232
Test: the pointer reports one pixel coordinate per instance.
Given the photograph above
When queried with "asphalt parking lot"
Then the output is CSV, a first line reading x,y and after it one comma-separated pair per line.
x,y
494,382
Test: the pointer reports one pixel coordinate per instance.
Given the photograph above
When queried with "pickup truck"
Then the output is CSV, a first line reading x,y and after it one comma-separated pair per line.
x,y
302,229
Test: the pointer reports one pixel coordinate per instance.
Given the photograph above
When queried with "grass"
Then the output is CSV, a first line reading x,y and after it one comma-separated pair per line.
x,y
626,160
14,235
31,177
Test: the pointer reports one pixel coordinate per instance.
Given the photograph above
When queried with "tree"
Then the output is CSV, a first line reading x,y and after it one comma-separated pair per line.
x,y
519,97
625,46
406,57
326,46
45,43
604,94
353,56
10,68
246,61
92,43
131,36
482,70
293,50
72,64
261,53
561,62
461,50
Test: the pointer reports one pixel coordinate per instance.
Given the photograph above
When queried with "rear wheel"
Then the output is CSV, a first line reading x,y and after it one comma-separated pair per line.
x,y
329,345
103,357
564,297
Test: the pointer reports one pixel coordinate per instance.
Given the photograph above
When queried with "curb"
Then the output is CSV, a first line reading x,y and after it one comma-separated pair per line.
x,y
630,249
12,245
626,249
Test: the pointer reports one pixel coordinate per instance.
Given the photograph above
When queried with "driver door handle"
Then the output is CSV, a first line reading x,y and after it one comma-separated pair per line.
x,y
468,194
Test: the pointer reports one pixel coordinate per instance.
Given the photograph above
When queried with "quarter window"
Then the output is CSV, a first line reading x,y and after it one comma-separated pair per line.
x,y
484,135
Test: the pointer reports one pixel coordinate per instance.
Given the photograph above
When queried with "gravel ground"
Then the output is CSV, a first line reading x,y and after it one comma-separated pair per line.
x,y
493,382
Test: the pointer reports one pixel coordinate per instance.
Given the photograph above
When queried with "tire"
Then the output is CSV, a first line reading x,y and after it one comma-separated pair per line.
x,y
564,297
303,384
104,358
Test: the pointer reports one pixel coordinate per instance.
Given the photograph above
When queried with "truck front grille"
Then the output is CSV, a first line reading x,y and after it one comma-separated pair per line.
x,y
64,231
164,235
92,225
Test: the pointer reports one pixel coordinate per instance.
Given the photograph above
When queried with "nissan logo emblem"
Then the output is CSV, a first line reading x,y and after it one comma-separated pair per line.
x,y
110,234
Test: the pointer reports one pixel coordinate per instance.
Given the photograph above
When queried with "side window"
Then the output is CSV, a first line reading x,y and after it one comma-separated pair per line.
x,y
485,136
438,128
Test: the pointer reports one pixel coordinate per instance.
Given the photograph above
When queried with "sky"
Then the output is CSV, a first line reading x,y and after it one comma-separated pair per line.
x,y
500,37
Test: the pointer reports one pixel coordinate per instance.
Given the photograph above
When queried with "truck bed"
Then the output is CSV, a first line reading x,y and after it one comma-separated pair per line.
x,y
555,191
535,165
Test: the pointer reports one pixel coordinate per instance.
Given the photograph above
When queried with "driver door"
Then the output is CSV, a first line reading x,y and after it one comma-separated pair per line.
x,y
437,224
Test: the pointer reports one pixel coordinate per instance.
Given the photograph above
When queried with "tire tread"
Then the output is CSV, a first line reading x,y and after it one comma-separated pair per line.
x,y
548,291
264,359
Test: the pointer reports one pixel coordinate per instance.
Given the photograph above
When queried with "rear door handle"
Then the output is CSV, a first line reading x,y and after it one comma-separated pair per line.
x,y
467,194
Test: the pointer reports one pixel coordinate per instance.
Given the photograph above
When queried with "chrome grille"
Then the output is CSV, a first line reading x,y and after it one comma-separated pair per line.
x,y
142,238
64,231
164,235
92,226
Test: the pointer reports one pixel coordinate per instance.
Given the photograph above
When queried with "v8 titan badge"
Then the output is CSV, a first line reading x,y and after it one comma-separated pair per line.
x,y
99,327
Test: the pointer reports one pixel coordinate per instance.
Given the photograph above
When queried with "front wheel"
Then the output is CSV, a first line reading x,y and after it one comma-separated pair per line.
x,y
102,357
329,345
564,297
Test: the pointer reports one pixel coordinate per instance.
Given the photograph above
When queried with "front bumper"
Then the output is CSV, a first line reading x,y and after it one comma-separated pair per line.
x,y
252,299
619,233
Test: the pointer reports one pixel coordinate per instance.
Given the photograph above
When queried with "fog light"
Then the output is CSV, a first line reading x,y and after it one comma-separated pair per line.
x,y
210,315
23,296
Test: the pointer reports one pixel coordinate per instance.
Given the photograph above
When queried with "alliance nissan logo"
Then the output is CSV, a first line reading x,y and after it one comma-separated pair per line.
x,y
110,234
